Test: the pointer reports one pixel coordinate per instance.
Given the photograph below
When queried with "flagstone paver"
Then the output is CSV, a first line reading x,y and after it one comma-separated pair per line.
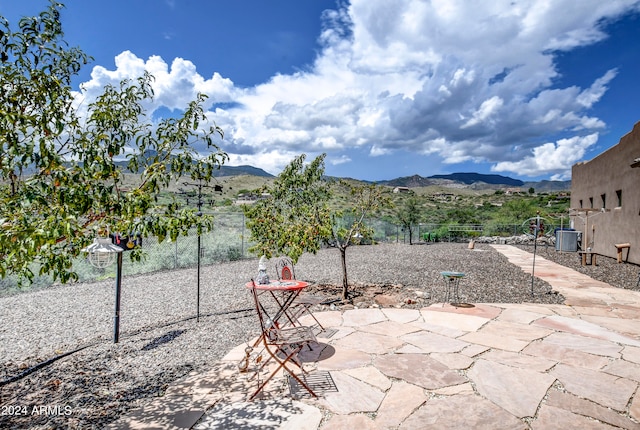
x,y
431,342
628,327
551,417
371,376
410,349
350,422
522,361
402,316
495,341
519,316
627,311
587,408
308,419
370,342
345,359
453,320
565,311
624,369
329,318
634,409
359,317
389,328
585,328
352,396
518,391
474,350
590,345
401,400
479,310
515,330
419,370
631,353
461,412
465,389
439,329
526,308
453,360
599,387
566,355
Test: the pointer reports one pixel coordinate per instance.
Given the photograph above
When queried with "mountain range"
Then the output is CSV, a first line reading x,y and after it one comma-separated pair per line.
x,y
241,170
476,181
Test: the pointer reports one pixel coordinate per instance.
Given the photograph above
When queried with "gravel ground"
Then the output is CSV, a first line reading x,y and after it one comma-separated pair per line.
x,y
161,341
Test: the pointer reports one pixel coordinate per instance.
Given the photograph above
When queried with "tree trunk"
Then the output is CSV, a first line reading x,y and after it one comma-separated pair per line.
x,y
345,283
410,236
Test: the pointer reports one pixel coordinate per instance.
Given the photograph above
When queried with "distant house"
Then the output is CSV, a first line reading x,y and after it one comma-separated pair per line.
x,y
401,190
250,198
605,198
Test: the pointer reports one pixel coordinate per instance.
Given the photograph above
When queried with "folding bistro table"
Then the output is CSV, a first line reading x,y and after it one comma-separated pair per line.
x,y
283,293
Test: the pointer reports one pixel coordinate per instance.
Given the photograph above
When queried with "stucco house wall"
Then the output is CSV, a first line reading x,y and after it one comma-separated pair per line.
x,y
609,183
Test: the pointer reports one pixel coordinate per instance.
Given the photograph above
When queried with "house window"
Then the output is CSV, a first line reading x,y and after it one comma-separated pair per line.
x,y
604,200
591,202
619,196
580,203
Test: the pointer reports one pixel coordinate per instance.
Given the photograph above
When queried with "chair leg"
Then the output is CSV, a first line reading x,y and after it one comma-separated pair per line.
x,y
282,364
266,380
305,308
316,320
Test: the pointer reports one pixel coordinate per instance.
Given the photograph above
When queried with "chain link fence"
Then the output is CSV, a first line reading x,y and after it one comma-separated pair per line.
x,y
229,241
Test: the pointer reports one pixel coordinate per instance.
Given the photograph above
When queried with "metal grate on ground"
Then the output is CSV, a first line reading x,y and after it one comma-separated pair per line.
x,y
320,383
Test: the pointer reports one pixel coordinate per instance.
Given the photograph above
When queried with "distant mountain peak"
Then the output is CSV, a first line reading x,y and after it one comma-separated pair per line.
x,y
453,179
470,178
241,170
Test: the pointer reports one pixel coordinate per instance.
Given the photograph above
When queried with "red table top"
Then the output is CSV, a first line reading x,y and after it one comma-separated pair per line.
x,y
279,285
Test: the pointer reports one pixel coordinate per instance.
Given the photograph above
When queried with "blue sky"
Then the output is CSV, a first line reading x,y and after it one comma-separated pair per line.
x,y
387,89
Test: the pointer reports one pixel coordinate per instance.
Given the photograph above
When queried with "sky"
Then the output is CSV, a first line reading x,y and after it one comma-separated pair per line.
x,y
521,88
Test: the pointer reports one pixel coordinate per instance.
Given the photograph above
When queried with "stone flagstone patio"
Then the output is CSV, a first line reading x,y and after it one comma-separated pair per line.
x,y
492,366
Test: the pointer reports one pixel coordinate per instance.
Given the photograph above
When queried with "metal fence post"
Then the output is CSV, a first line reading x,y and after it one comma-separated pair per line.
x,y
175,254
242,235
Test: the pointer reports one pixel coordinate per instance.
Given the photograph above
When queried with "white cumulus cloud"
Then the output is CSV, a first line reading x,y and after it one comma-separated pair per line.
x,y
552,158
465,81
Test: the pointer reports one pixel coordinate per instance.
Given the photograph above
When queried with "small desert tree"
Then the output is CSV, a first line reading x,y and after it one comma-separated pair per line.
x,y
349,226
408,215
62,174
294,216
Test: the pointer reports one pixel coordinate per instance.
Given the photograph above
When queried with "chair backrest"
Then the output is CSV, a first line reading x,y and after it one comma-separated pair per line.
x,y
284,269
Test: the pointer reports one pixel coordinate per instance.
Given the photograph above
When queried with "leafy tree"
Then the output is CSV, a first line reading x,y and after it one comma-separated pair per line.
x,y
516,211
408,215
365,199
295,218
532,190
462,216
61,180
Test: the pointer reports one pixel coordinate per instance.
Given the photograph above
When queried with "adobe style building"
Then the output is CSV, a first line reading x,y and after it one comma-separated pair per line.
x,y
605,199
